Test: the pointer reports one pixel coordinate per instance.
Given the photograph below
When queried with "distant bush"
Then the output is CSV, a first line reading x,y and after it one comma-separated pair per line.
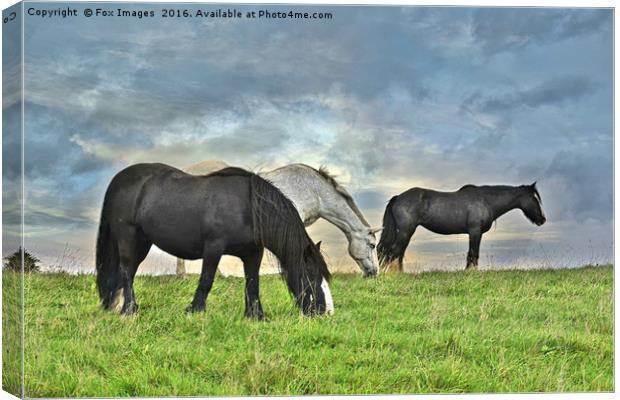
x,y
13,262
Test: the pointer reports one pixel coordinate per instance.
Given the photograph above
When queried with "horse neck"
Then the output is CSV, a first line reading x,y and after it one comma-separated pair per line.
x,y
316,198
503,201
335,209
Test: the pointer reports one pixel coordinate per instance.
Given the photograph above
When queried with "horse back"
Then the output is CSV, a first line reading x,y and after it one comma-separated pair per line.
x,y
442,212
179,212
208,202
123,192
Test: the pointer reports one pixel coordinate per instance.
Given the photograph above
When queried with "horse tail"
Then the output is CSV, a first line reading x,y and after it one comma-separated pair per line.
x,y
387,250
107,265
278,227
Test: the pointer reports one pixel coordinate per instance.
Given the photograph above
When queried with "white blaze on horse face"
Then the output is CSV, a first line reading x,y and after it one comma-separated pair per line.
x,y
542,212
329,301
531,206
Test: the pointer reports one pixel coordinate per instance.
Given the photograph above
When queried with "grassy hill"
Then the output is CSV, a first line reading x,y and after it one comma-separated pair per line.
x,y
509,331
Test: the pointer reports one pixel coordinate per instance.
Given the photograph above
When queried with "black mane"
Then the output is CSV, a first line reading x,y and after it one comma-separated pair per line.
x,y
488,187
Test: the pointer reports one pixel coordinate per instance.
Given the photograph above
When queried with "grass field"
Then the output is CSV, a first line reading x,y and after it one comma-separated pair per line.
x,y
509,331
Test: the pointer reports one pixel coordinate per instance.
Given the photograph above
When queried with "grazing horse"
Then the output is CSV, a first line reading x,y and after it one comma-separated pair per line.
x,y
316,194
231,211
471,209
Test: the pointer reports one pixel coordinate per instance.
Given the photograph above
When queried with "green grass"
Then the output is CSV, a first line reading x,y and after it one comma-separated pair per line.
x,y
11,332
510,331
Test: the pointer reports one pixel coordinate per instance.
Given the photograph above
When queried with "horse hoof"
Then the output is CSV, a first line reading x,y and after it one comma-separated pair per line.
x,y
130,309
259,316
194,309
315,312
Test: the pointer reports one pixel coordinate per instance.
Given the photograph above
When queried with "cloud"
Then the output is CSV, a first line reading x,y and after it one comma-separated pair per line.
x,y
478,34
389,99
11,64
555,91
370,199
11,143
502,30
580,183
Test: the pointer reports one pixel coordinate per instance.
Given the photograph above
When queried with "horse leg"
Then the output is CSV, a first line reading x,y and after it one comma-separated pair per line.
x,y
475,235
251,265
210,258
128,265
402,241
143,245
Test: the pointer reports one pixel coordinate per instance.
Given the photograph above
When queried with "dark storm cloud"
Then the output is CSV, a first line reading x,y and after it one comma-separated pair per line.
x,y
592,21
11,142
88,164
500,30
71,220
556,90
251,139
584,183
552,92
11,61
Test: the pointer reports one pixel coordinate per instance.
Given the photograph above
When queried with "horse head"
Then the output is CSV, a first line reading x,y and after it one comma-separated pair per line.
x,y
362,248
531,205
314,296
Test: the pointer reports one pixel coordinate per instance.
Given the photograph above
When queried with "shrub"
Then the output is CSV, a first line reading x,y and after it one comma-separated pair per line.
x,y
13,262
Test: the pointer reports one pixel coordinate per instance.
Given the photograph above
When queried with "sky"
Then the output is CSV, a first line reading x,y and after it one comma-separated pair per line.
x,y
387,98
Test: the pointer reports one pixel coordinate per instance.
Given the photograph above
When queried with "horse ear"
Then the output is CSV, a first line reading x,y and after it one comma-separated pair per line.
x,y
308,251
534,184
318,245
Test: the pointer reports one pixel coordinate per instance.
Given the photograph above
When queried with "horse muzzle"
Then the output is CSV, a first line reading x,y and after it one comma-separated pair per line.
x,y
370,274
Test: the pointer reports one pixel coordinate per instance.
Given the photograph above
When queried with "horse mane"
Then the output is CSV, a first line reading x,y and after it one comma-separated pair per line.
x,y
493,188
324,172
488,188
278,227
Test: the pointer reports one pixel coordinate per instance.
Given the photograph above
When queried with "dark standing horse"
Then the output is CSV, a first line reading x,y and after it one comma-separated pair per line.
x,y
471,209
231,211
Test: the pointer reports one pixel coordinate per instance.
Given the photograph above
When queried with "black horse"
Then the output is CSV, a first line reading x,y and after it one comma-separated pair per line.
x,y
231,211
471,209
